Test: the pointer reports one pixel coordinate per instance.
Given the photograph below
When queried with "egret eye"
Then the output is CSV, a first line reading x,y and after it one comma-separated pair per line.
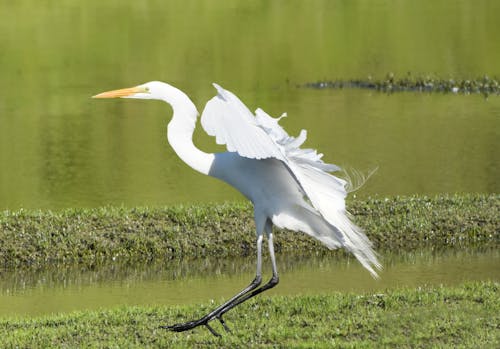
x,y
146,89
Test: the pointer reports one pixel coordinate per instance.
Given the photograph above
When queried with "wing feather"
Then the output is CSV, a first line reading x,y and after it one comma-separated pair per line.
x,y
260,136
232,124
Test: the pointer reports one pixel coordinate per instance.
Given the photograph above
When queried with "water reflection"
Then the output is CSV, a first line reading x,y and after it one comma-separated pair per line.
x,y
182,282
60,149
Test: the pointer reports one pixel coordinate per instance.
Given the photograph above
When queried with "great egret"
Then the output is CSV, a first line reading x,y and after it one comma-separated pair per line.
x,y
289,187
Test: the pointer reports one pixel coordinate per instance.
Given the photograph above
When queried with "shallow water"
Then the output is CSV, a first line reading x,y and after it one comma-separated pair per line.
x,y
59,148
64,290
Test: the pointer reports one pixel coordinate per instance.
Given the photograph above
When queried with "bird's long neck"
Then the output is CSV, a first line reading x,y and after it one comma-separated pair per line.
x,y
180,132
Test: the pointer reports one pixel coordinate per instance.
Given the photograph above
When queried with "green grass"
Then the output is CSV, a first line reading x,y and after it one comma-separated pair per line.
x,y
90,237
465,316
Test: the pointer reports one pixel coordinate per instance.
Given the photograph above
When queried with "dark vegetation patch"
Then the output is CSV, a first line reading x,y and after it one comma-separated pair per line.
x,y
484,85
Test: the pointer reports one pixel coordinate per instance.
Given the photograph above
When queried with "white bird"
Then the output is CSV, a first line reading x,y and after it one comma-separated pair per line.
x,y
289,187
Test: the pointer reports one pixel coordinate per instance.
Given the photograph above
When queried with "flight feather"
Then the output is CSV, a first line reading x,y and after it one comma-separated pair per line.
x,y
260,136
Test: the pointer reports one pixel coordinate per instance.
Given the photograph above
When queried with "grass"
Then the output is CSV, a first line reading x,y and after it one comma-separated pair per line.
x,y
465,316
90,237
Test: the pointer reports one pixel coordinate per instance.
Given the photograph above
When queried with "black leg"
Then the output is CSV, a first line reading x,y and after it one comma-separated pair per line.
x,y
250,291
215,313
273,282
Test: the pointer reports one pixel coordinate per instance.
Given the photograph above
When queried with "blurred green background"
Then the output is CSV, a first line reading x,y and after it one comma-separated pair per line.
x,y
59,148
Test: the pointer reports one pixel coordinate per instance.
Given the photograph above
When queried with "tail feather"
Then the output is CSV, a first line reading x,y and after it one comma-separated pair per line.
x,y
355,179
327,194
357,243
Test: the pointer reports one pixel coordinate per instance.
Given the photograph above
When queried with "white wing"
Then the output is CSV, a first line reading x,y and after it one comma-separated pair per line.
x,y
260,137
232,124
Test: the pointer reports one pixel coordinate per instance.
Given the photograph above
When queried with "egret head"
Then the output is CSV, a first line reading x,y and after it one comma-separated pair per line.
x,y
149,90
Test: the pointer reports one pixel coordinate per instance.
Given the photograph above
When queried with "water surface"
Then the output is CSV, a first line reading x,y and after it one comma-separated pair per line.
x,y
186,282
59,148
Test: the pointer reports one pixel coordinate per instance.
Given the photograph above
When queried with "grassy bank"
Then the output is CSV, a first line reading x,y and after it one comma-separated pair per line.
x,y
93,236
465,316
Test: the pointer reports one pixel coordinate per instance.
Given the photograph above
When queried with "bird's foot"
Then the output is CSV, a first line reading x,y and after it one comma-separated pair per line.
x,y
223,323
182,327
186,326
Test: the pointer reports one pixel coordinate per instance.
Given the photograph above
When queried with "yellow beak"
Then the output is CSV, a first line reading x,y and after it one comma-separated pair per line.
x,y
124,92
